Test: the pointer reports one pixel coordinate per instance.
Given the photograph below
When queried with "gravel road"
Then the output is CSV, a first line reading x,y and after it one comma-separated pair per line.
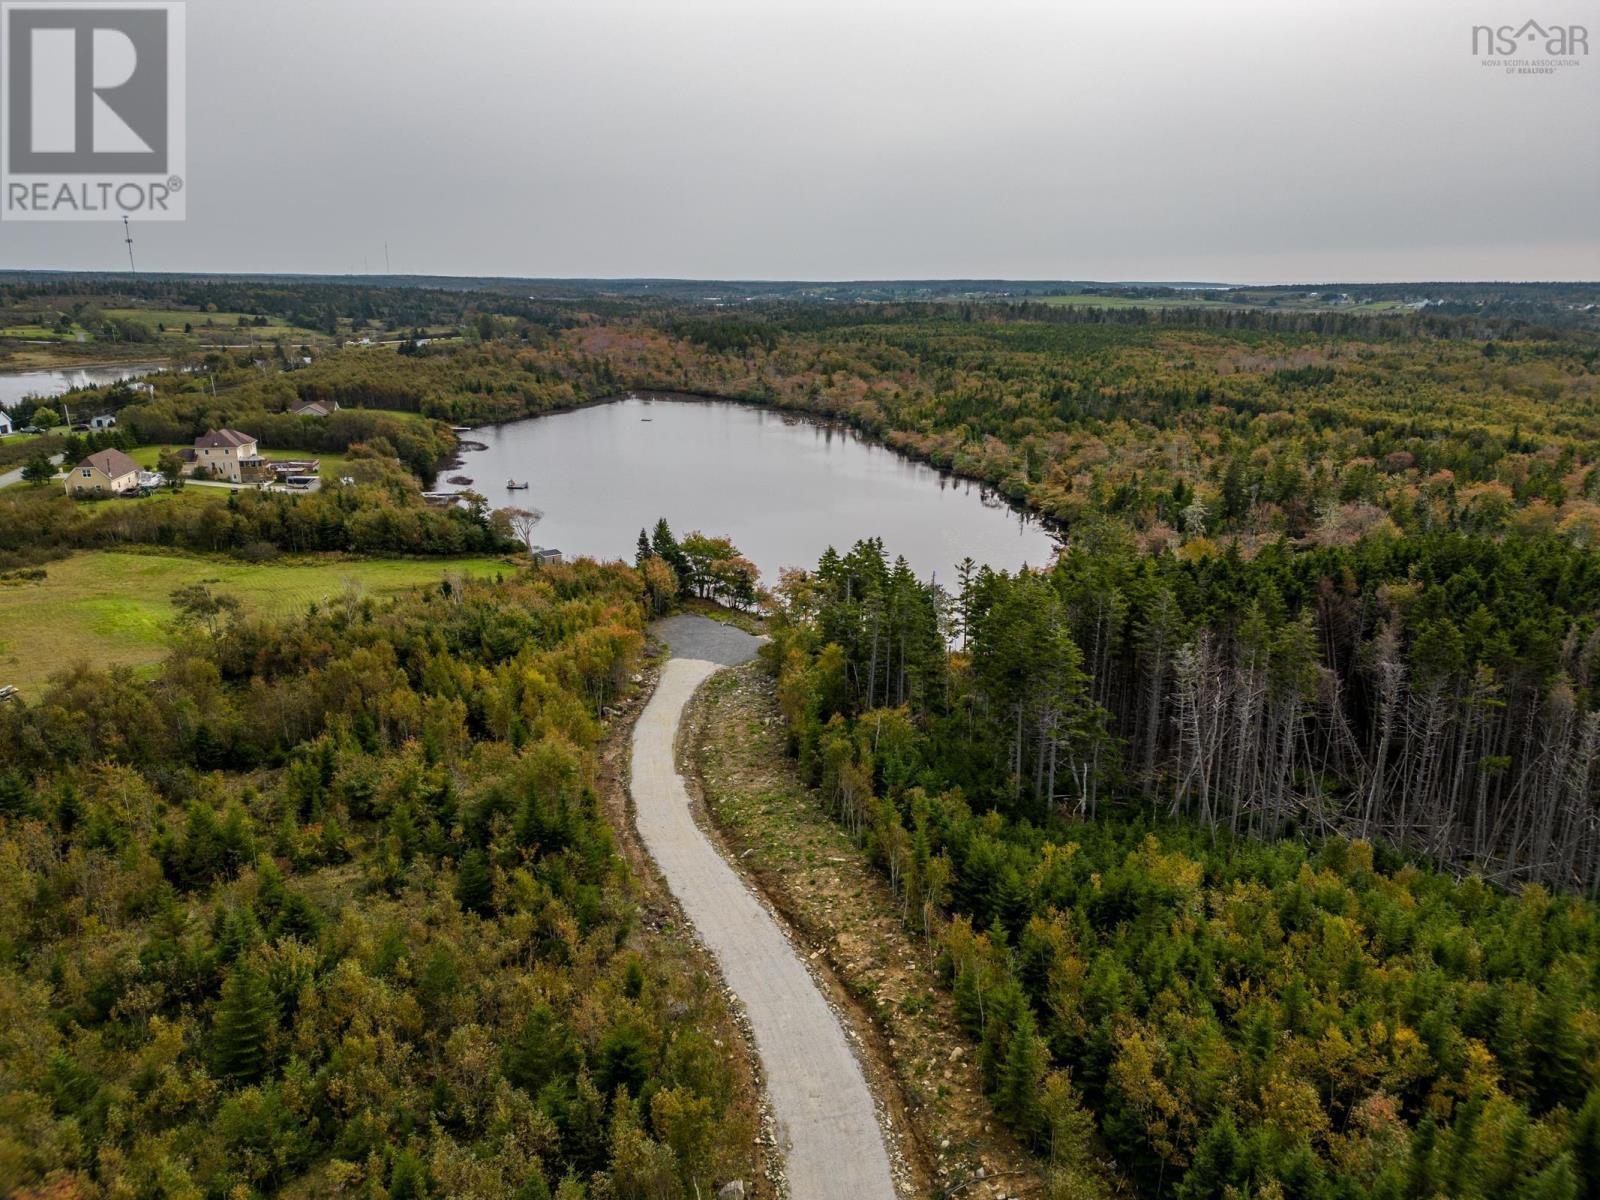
x,y
827,1125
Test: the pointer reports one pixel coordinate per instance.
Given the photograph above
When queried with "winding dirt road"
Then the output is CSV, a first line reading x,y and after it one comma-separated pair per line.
x,y
827,1125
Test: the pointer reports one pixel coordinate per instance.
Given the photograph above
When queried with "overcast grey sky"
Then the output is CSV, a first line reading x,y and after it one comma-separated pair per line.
x,y
1233,140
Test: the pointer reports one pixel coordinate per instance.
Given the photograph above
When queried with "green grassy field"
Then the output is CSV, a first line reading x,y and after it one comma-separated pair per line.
x,y
38,333
114,607
202,322
146,456
332,463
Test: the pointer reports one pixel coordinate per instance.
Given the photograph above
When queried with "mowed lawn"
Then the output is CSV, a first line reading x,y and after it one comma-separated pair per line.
x,y
333,463
115,608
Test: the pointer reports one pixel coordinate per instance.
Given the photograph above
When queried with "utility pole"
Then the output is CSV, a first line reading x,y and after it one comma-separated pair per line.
x,y
127,236
387,269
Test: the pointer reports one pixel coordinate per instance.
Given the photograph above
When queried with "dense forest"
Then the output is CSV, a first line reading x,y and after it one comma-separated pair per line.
x,y
303,302
328,907
1326,572
1258,837
398,302
1083,806
379,513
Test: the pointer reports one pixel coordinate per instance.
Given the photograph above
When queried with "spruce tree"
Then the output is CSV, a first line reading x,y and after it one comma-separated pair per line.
x,y
1559,1068
242,1029
1021,1078
69,808
239,933
408,1180
666,548
1217,1163
543,1051
474,884
15,795
1555,1182
1586,1147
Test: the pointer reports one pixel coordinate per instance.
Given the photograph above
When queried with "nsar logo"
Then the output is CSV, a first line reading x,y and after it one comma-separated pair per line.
x,y
1530,48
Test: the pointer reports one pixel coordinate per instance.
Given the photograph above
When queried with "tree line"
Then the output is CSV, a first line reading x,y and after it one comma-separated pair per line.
x,y
380,513
328,906
1171,829
697,565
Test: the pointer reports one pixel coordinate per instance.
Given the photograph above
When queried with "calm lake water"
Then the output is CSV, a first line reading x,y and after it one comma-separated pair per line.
x,y
782,487
15,385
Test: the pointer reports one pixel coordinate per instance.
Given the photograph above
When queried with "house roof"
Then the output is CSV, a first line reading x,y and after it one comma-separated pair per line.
x,y
113,463
223,439
313,408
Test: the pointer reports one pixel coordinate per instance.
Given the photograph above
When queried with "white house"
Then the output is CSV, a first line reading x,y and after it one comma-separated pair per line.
x,y
224,453
5,425
105,422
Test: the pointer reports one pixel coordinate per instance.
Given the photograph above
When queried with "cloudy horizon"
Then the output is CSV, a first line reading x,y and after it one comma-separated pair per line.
x,y
1229,142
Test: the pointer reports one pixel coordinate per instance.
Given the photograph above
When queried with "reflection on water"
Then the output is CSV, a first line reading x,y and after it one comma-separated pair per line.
x,y
783,487
18,385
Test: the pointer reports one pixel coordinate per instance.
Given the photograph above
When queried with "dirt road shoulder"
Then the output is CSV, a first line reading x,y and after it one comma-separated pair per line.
x,y
837,903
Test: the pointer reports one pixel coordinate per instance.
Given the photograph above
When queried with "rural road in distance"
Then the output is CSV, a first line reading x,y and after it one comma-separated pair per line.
x,y
15,476
827,1125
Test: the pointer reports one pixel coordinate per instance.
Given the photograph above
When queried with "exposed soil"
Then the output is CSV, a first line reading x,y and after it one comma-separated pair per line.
x,y
920,1064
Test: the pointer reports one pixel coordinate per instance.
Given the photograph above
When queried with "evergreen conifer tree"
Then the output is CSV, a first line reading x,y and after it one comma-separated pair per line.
x,y
243,1027
474,884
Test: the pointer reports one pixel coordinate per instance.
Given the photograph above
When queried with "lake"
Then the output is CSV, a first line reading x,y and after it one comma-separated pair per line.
x,y
17,385
782,486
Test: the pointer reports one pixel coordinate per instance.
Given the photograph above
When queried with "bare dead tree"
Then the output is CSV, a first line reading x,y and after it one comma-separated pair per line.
x,y
523,522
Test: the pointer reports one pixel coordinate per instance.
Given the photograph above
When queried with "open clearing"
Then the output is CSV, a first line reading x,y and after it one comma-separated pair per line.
x,y
113,608
206,323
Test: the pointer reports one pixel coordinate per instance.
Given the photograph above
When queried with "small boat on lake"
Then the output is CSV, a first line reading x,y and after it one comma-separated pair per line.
x,y
513,486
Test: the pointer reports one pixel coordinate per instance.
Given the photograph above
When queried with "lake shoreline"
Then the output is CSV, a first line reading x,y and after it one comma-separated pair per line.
x,y
116,372
822,420
784,483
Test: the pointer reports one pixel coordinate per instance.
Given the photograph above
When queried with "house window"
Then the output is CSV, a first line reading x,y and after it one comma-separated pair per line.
x,y
87,473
